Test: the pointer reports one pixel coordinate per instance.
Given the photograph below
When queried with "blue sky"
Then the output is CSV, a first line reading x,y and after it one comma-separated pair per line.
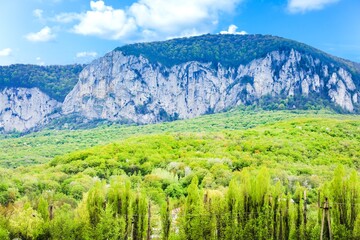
x,y
77,31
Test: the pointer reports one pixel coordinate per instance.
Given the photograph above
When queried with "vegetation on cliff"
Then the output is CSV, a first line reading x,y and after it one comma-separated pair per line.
x,y
228,50
56,81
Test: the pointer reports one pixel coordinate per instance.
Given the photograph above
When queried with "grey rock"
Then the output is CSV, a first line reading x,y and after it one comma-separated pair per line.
x,y
22,109
119,87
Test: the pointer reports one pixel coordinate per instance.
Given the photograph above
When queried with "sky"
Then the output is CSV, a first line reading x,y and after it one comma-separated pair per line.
x,y
47,32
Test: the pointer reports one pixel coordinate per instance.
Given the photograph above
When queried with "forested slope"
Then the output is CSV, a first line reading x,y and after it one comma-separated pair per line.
x,y
264,182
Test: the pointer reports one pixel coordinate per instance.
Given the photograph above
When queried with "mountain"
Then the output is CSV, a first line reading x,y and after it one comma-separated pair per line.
x,y
31,95
187,77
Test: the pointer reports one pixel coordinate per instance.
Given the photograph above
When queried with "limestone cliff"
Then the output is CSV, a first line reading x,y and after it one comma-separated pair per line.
x,y
127,87
178,79
22,109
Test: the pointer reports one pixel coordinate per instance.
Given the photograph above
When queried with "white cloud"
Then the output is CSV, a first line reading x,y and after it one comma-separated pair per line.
x,y
232,30
38,13
106,22
86,54
39,61
5,52
44,35
301,6
172,16
66,17
149,19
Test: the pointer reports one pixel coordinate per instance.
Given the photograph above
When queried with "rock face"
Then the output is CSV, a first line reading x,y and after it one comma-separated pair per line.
x,y
178,79
22,109
129,88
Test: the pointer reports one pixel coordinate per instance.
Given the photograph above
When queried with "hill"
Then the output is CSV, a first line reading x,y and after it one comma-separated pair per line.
x,y
230,171
40,147
182,78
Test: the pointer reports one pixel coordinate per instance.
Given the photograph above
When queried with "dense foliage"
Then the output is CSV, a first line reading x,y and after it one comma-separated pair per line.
x,y
229,50
56,81
42,146
235,175
252,206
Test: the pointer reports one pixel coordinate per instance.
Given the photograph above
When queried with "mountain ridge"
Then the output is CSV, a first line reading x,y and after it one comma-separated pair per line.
x,y
183,78
247,40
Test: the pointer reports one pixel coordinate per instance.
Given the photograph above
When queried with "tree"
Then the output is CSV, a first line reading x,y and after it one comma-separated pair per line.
x,y
26,223
43,208
232,213
96,202
120,199
110,227
63,226
192,225
139,217
165,219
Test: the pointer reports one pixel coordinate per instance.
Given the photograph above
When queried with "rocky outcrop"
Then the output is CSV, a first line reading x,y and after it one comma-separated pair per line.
x,y
174,81
129,88
22,109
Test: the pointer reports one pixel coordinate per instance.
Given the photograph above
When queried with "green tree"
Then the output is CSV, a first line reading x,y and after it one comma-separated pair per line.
x,y
165,214
192,225
232,213
139,217
96,202
26,223
63,226
43,208
110,227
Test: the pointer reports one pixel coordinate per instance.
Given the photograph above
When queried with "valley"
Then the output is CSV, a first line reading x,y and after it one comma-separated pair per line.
x,y
222,156
207,137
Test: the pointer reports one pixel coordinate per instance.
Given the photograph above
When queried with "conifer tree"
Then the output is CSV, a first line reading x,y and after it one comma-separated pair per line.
x,y
166,219
96,202
139,217
232,210
192,225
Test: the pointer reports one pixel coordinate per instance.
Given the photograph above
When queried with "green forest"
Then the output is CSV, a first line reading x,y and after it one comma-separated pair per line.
x,y
228,50
56,81
242,174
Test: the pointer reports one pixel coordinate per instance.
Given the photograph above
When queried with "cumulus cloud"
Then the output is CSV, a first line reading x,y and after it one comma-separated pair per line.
x,y
232,30
86,54
171,16
44,35
149,19
5,52
301,6
104,21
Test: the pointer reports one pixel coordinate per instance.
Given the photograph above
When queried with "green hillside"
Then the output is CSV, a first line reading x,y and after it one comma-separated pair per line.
x,y
243,174
56,81
42,146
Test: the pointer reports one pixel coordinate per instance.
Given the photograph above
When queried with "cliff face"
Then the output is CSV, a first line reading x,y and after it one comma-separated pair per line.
x,y
126,87
22,109
178,79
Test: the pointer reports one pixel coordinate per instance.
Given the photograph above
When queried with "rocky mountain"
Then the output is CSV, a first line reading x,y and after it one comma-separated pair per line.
x,y
22,109
31,95
183,78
